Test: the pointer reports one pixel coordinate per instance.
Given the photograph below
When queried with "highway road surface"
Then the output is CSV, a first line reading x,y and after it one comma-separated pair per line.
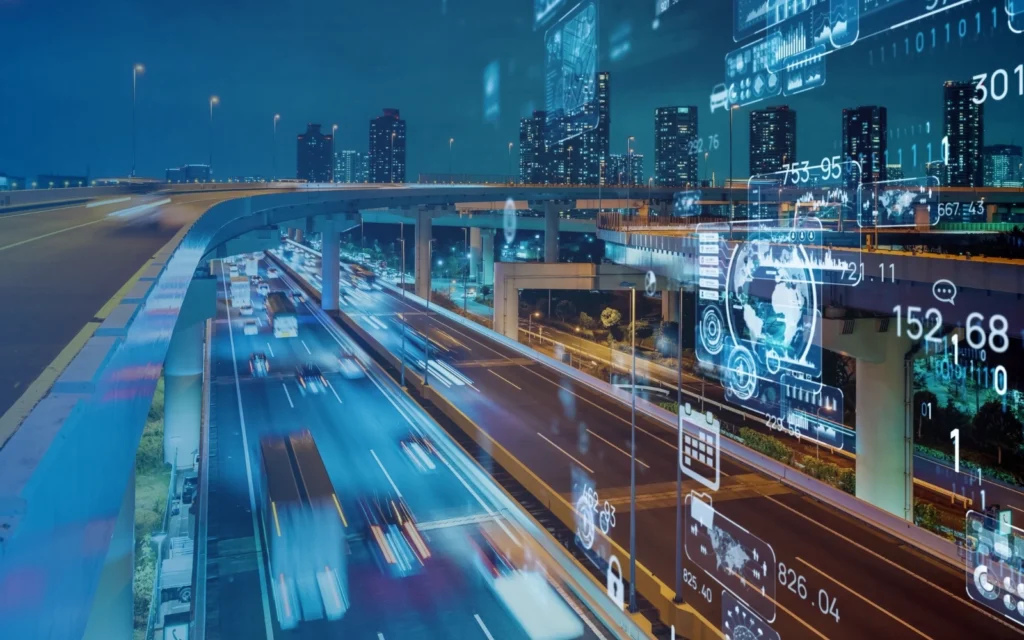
x,y
358,429
834,577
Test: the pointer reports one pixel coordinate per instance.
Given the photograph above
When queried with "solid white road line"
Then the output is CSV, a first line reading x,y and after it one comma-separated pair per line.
x,y
288,395
268,623
5,216
307,347
565,452
103,203
52,233
386,474
506,379
331,387
894,564
483,627
914,629
271,350
620,450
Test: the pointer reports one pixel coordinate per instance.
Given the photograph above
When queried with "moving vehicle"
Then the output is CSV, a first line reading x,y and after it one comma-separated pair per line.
x,y
259,365
348,365
254,280
246,309
281,315
310,379
420,339
362,277
305,530
297,297
394,538
263,288
250,327
241,294
272,272
420,452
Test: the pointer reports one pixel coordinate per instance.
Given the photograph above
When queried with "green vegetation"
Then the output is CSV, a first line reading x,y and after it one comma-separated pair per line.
x,y
610,318
152,478
769,446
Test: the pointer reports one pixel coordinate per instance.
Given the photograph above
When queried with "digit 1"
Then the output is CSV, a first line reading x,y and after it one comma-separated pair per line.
x,y
929,152
956,350
913,148
955,435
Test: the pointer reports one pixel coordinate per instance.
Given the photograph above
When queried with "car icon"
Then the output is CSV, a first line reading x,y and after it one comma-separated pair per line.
x,y
719,97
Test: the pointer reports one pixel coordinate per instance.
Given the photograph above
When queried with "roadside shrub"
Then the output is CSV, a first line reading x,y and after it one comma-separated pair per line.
x,y
769,446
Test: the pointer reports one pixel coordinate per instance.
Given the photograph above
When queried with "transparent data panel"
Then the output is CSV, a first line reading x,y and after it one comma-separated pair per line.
x,y
571,63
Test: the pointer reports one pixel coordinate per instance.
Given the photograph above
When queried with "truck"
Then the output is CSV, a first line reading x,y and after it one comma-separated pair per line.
x,y
252,267
241,293
305,529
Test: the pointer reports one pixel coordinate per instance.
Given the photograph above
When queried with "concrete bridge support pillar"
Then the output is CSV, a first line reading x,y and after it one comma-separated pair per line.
x,y
487,273
330,267
885,437
670,305
551,232
474,253
183,394
422,254
112,614
299,235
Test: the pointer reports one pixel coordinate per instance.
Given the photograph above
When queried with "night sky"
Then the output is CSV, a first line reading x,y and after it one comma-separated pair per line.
x,y
65,93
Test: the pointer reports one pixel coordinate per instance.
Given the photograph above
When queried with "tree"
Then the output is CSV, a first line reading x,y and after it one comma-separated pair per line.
x,y
995,428
667,339
925,411
586,320
565,309
610,318
643,330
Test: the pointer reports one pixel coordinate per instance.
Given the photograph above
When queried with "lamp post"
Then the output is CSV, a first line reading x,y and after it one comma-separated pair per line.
x,y
136,70
273,150
510,179
579,349
214,100
401,226
450,176
529,326
728,184
632,450
705,166
334,150
629,166
679,472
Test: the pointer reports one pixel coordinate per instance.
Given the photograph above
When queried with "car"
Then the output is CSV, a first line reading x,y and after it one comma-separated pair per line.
x,y
489,560
272,272
245,309
250,327
393,535
254,280
259,255
297,297
349,365
259,365
421,453
719,97
263,288
310,379
233,270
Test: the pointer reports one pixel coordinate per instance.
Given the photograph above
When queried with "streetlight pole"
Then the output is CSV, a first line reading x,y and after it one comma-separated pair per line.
x,y
214,100
632,457
392,157
273,151
679,472
136,70
450,176
401,226
334,150
510,179
629,167
732,210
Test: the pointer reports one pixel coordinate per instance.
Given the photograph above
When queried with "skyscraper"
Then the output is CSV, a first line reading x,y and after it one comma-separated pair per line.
x,y
772,139
314,150
864,140
964,128
593,145
937,170
533,160
348,166
894,172
618,172
387,148
675,158
1002,165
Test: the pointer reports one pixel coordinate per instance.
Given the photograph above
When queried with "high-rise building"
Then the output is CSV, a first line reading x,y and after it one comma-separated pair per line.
x,y
619,172
964,128
533,160
1002,165
593,144
894,172
675,157
387,148
314,155
864,140
349,166
772,139
937,170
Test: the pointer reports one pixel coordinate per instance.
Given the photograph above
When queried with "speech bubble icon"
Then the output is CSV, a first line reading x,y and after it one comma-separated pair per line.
x,y
944,290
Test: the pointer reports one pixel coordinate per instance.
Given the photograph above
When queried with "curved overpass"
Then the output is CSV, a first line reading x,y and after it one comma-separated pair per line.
x,y
65,469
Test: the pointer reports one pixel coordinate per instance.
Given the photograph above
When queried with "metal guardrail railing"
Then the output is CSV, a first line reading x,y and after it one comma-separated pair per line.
x,y
154,600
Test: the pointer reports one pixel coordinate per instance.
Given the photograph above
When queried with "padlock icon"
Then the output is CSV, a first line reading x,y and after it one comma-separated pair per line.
x,y
614,582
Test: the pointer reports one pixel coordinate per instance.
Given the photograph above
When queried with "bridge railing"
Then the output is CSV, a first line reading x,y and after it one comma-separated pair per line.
x,y
616,221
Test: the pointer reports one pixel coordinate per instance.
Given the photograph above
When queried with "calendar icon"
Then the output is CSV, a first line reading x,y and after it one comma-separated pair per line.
x,y
699,446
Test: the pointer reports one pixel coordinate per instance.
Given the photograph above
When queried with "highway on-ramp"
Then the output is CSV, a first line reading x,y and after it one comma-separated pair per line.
x,y
868,583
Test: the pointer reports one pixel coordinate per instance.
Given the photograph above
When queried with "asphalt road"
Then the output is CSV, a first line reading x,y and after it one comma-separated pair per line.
x,y
59,266
354,425
880,587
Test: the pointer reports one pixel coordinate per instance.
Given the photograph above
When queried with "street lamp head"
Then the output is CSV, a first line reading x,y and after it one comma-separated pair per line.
x,y
451,140
214,100
277,116
139,68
